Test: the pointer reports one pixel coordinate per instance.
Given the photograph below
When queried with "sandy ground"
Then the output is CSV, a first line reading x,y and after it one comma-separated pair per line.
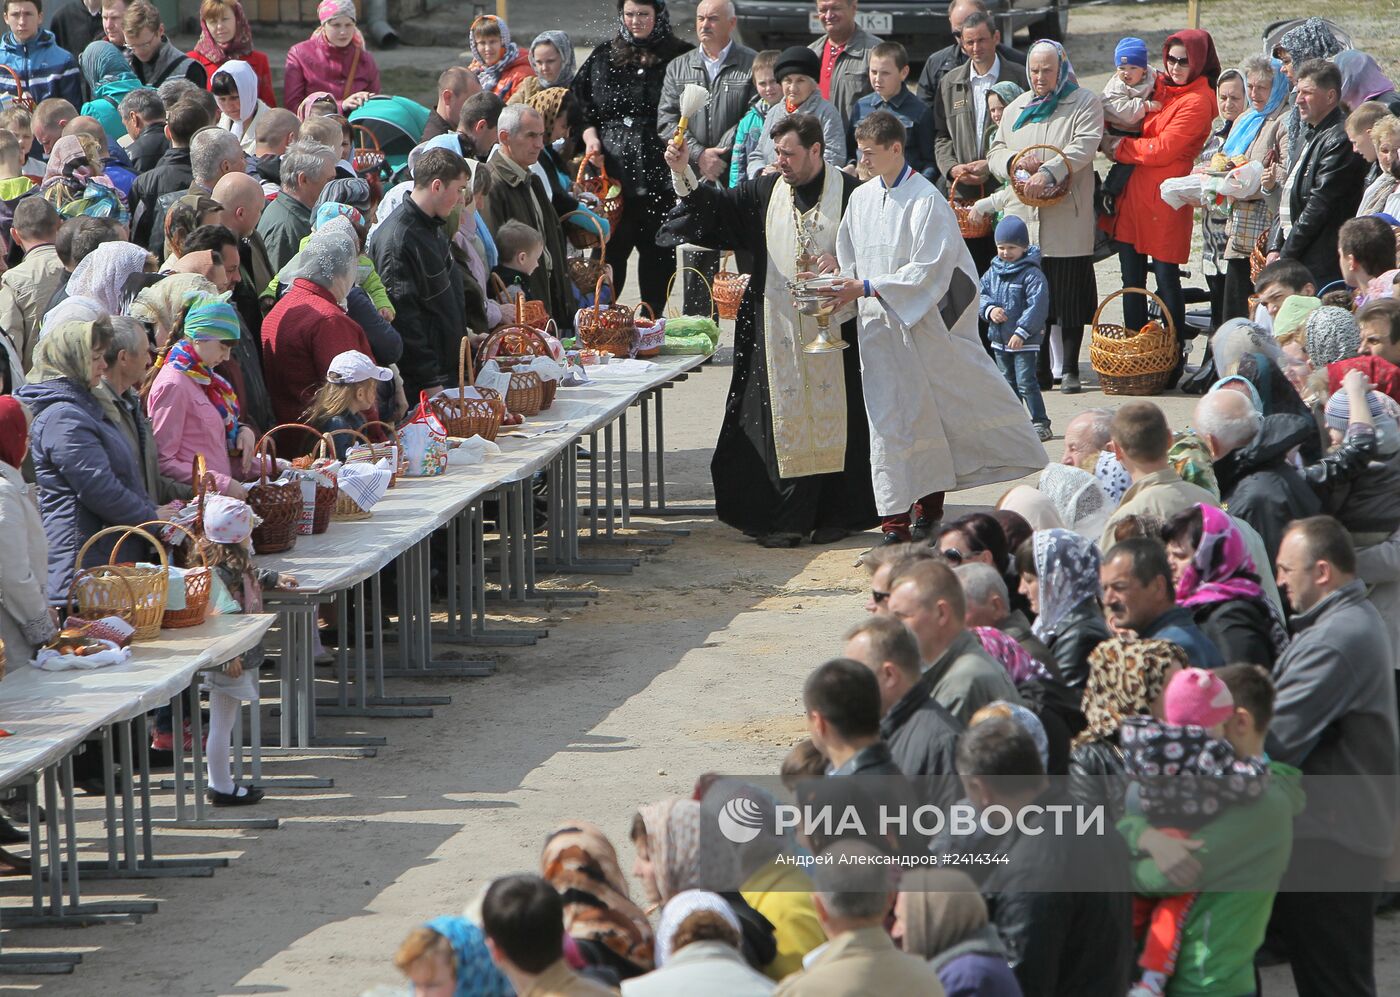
x,y
692,663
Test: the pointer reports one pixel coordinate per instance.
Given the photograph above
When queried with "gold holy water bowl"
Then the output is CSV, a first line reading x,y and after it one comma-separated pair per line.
x,y
807,299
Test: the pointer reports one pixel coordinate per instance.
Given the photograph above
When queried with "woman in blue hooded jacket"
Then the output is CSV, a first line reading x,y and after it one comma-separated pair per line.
x,y
87,475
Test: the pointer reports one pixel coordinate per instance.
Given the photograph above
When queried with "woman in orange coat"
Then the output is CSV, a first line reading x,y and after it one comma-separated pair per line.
x,y
1171,140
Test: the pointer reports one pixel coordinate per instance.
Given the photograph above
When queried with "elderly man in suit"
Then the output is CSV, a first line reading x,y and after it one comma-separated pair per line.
x,y
845,56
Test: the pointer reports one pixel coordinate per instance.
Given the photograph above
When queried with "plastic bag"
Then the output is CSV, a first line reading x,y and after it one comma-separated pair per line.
x,y
423,442
1241,182
1184,192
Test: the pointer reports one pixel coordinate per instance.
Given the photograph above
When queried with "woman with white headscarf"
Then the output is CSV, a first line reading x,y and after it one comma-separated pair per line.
x,y
235,89
103,273
697,952
1060,576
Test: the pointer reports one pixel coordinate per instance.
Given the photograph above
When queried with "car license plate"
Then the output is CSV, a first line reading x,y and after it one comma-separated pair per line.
x,y
874,22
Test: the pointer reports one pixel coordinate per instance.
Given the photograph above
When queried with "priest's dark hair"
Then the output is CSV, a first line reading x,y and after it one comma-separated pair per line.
x,y
807,128
882,128
847,696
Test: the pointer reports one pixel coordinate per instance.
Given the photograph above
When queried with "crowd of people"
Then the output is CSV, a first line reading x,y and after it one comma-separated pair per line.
x,y
1192,627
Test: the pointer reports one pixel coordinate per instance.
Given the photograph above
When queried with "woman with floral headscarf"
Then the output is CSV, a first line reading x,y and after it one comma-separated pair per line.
x,y
607,927
74,182
1310,40
1216,578
1172,137
334,60
448,956
224,34
497,61
193,410
618,89
87,476
1127,678
668,838
1058,112
1060,576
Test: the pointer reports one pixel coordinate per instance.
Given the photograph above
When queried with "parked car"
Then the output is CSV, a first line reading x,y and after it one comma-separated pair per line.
x,y
921,26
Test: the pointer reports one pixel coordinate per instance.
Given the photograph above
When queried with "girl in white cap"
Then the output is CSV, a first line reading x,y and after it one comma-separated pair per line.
x,y
228,526
350,390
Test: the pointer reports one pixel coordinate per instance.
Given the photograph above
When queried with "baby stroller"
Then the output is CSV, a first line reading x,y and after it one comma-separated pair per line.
x,y
396,124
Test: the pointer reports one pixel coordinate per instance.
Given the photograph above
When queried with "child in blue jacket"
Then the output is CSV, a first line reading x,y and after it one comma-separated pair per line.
x,y
1015,303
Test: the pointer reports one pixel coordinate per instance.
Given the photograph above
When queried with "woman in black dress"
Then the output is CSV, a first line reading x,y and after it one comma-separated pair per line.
x,y
619,89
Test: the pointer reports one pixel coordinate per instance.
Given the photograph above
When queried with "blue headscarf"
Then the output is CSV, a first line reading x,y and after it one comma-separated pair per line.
x,y
477,975
1247,126
1040,108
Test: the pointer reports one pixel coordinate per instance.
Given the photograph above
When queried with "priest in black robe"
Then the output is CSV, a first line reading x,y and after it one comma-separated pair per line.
x,y
792,461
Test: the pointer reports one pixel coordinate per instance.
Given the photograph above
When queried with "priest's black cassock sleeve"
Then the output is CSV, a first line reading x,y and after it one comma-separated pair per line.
x,y
749,494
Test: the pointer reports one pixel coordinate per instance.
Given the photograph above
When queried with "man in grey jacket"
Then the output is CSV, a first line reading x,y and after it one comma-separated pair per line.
x,y
128,359
1334,718
844,52
922,735
928,599
722,66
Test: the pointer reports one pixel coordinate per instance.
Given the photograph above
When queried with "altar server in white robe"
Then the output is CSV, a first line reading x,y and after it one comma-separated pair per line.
x,y
942,418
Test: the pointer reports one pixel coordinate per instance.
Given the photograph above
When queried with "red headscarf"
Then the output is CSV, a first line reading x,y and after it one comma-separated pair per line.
x,y
237,48
14,430
1200,49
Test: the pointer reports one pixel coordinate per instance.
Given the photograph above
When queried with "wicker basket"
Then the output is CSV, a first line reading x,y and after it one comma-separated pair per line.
x,y
727,292
609,205
136,594
1133,362
523,339
326,495
1053,195
584,269
467,417
278,506
534,312
549,389
199,580
379,451
645,324
972,224
345,507
1259,257
608,330
526,394
22,99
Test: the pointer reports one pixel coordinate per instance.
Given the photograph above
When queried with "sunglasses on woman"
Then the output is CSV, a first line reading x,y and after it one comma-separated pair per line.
x,y
1174,61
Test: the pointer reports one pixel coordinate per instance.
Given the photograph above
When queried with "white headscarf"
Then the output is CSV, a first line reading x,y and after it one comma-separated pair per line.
x,y
102,274
1078,498
75,309
680,907
246,79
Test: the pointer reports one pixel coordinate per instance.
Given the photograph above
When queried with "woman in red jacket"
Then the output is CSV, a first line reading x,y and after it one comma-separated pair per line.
x,y
224,34
1171,140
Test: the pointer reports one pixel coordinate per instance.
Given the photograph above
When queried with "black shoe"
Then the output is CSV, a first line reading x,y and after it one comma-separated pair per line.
x,y
11,835
778,541
234,799
922,528
890,539
829,534
1069,384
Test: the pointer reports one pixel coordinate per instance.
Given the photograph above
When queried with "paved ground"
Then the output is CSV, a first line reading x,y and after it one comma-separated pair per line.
x,y
692,663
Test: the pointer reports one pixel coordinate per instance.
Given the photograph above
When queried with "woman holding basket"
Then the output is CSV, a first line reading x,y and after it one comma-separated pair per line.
x,y
1046,144
1144,225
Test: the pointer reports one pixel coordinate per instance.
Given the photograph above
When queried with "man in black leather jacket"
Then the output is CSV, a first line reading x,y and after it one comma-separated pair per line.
x,y
1324,187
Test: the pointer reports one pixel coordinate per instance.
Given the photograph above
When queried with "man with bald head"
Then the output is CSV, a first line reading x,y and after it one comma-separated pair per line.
x,y
454,86
722,66
1250,452
243,201
1086,437
946,59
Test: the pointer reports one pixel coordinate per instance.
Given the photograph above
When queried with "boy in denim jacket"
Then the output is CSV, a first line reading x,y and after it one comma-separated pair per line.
x,y
1015,303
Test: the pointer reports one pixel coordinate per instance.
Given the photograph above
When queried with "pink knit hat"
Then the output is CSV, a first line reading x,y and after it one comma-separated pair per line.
x,y
329,9
1197,697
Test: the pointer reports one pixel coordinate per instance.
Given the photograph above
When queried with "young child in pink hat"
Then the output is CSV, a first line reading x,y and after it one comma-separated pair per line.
x,y
1184,774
